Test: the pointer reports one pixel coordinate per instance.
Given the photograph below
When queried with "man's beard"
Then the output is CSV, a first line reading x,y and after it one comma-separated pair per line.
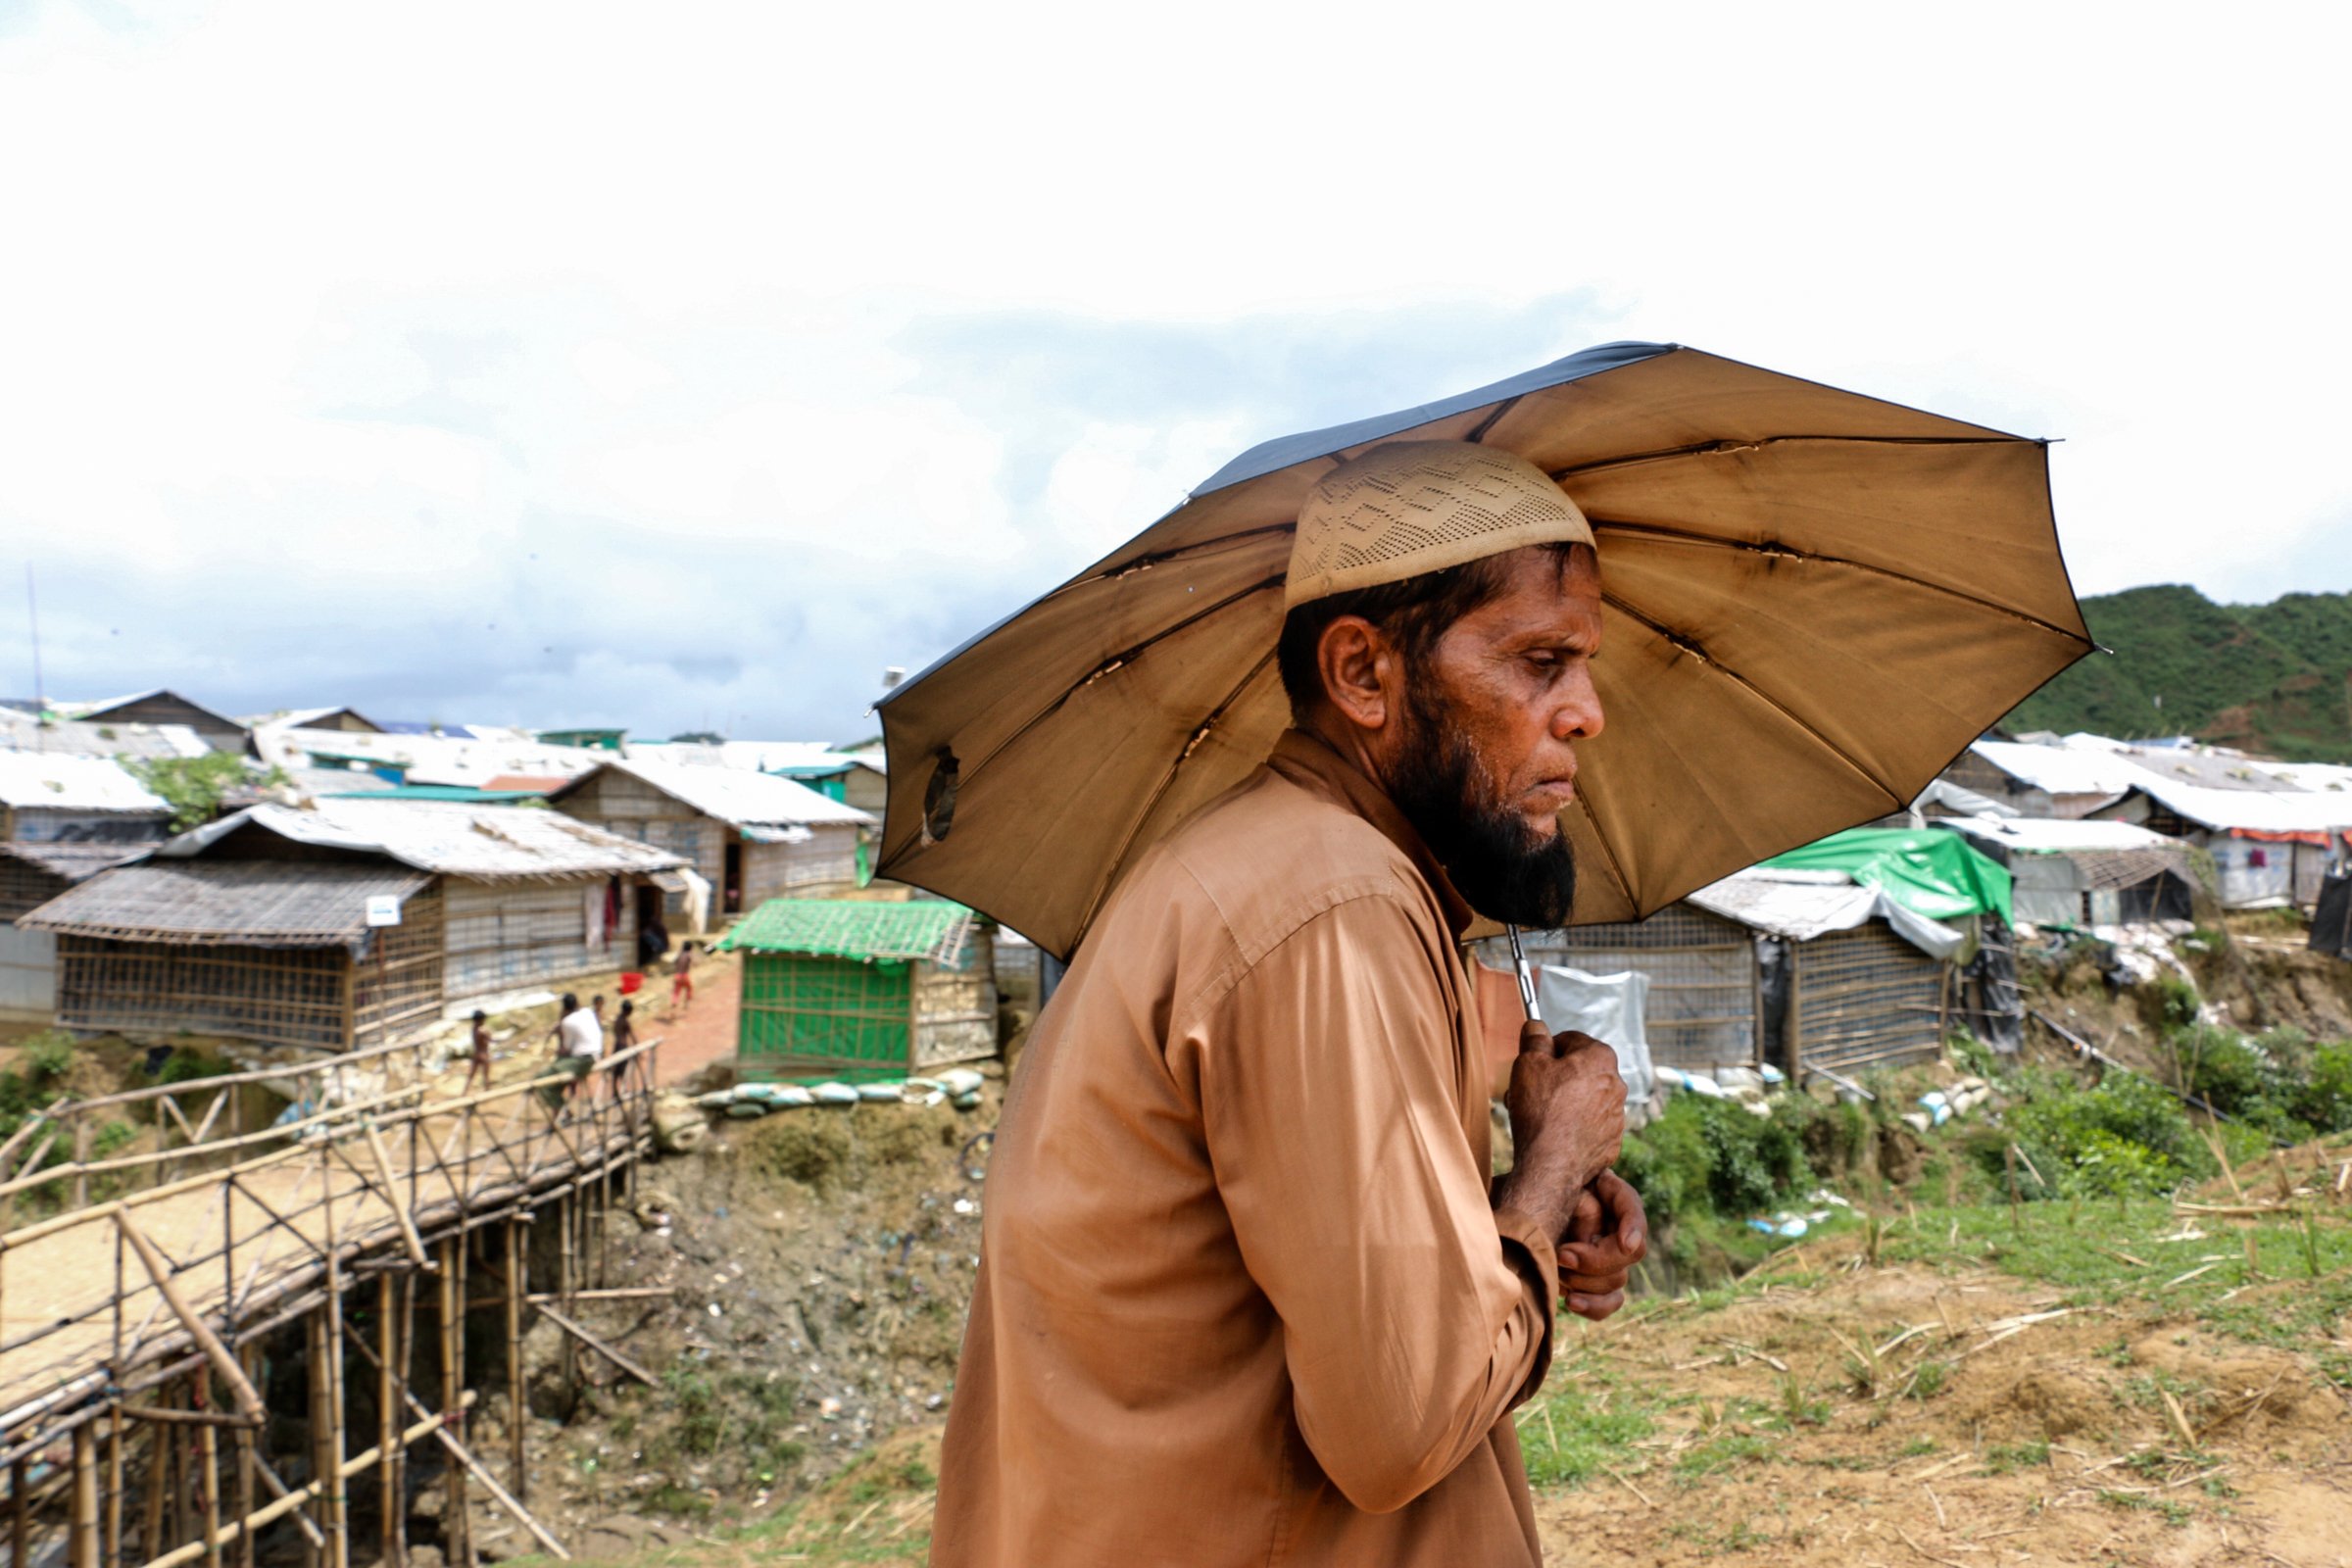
x,y
1494,859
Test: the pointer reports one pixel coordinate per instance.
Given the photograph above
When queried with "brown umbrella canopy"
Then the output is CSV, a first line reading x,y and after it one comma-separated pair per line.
x,y
1813,601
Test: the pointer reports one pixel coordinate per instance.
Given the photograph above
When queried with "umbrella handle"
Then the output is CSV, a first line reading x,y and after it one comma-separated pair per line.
x,y
1527,976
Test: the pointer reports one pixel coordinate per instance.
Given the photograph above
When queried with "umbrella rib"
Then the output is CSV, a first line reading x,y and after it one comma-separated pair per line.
x,y
1584,803
1477,432
1725,444
1707,541
1685,645
1166,783
1126,656
1158,557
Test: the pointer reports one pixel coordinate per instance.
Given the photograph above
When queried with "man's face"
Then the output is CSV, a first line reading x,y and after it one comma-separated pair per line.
x,y
1485,760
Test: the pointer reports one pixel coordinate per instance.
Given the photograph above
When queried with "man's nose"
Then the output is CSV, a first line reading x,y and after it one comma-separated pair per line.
x,y
1577,716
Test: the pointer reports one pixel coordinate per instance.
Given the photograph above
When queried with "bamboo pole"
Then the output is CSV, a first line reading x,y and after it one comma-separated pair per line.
x,y
395,1462
394,1199
338,1504
19,1517
600,1347
247,1458
86,1496
159,1481
207,1470
565,1209
111,1542
291,1499
313,1327
387,1414
517,1395
452,1336
248,1401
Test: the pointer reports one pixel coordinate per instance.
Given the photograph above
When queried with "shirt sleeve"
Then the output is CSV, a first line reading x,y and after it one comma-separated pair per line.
x,y
1414,1314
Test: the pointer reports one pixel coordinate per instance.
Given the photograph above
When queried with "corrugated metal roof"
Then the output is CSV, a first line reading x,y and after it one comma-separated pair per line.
x,y
492,843
737,795
73,784
267,903
2060,769
21,732
855,928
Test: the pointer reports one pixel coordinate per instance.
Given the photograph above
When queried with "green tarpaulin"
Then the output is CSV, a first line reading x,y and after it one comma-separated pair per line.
x,y
1930,872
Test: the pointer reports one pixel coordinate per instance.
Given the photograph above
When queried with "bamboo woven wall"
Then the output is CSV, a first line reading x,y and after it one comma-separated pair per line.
x,y
396,983
632,809
1701,1011
1866,998
276,996
955,1007
25,886
503,936
824,865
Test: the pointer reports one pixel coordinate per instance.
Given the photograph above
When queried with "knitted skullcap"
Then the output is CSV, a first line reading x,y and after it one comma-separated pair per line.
x,y
1415,506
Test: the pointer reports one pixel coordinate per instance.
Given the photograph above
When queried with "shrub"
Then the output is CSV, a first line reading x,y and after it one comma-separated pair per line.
x,y
48,1055
2176,1002
2126,1134
2324,1098
1713,1155
2222,1069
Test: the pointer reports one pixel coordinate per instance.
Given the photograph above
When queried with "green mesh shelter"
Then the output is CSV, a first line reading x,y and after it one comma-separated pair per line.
x,y
850,987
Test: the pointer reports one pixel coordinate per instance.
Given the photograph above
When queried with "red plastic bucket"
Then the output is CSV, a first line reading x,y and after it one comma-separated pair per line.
x,y
630,982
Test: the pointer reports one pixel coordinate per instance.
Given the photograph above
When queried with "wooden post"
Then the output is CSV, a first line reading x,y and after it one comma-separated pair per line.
x,y
321,1460
565,1211
86,1496
112,1544
387,1409
246,1439
519,1403
452,1535
395,1458
20,1520
338,1491
159,1482
207,1467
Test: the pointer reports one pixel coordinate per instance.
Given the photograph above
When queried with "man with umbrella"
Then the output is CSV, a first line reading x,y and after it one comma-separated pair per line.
x,y
1248,1295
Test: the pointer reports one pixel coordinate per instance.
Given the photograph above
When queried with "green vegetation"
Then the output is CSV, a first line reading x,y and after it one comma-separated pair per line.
x,y
2269,678
1585,1421
194,787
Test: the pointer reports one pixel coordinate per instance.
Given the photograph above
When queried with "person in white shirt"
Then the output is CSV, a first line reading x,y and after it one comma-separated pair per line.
x,y
579,1042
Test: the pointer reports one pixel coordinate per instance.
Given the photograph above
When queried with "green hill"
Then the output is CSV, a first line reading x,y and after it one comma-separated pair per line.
x,y
2267,678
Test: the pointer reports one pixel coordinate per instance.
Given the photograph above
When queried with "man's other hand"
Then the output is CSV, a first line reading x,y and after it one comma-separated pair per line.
x,y
1595,1271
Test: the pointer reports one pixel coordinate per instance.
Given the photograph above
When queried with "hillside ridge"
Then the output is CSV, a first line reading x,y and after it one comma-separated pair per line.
x,y
2270,678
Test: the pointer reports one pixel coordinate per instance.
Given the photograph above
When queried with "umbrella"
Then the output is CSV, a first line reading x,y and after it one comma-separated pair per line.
x,y
1813,601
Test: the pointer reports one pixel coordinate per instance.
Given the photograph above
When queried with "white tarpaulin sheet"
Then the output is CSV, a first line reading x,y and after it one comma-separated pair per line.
x,y
1606,1007
1804,904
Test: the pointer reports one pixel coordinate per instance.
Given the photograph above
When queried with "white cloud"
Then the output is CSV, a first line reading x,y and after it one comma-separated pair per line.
x,y
718,355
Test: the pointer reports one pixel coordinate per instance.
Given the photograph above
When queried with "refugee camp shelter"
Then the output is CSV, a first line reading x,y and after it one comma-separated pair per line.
x,y
49,798
157,706
1822,959
2063,781
2269,846
350,720
861,987
2085,873
21,731
30,875
352,923
753,836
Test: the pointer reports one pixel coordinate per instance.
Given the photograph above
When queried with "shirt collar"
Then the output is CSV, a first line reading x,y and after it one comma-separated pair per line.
x,y
1316,765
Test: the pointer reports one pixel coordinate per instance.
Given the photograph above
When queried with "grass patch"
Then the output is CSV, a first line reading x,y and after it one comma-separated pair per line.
x,y
1584,1423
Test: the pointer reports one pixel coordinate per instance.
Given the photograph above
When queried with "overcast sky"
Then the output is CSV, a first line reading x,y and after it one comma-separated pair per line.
x,y
682,366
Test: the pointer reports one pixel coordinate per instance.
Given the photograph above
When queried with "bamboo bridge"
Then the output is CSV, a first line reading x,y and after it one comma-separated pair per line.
x,y
192,1347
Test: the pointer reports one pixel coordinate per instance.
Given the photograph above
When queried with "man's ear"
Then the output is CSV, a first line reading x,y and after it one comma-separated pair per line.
x,y
1359,667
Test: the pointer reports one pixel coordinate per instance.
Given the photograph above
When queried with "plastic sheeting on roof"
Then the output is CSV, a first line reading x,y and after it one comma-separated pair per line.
x,y
2061,769
741,797
34,780
1804,904
2289,812
2034,835
868,930
1929,871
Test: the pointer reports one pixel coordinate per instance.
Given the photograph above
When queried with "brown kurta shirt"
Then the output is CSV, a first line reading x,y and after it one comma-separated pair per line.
x,y
1241,1296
